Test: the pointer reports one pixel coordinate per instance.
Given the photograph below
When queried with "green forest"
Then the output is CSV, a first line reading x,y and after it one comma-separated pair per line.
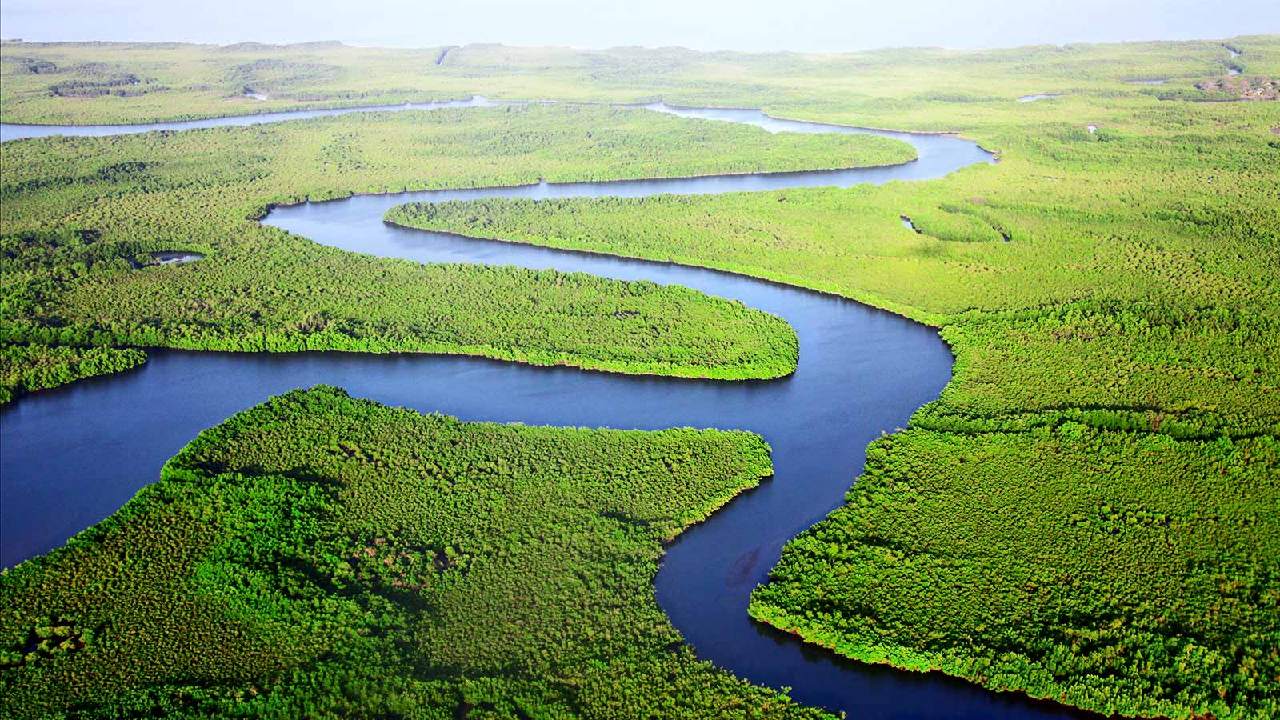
x,y
321,556
895,87
1122,572
80,216
1093,500
24,368
1089,513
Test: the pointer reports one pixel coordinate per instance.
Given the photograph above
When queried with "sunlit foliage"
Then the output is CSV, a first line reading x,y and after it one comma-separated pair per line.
x,y
319,556
1124,573
1088,512
24,368
80,216
136,82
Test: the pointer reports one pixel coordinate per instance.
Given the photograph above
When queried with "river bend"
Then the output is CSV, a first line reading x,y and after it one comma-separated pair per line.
x,y
72,456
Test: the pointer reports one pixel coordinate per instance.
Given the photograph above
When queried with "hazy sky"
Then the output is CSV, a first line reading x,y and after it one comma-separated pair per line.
x,y
821,25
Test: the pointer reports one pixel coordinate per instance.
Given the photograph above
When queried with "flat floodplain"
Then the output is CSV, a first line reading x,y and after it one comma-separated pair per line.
x,y
1107,289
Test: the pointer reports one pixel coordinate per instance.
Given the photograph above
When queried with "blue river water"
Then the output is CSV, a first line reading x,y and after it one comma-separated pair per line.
x,y
74,455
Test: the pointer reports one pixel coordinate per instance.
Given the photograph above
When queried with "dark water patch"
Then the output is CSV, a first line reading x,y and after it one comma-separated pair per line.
x,y
163,257
1233,52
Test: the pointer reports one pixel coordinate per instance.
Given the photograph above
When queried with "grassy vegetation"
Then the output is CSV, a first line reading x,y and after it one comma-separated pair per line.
x,y
321,556
1089,511
1140,274
121,82
80,216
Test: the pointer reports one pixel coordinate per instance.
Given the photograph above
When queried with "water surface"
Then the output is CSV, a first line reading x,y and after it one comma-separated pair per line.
x,y
72,456
17,131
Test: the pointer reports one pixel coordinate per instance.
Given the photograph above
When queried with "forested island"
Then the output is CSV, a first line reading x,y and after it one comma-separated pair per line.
x,y
81,215
323,556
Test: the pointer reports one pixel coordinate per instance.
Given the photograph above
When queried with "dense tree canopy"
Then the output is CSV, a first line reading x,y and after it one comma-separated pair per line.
x,y
322,556
81,219
1088,513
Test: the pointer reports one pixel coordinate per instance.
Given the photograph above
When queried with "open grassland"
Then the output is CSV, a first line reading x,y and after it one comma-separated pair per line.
x,y
80,217
319,556
1091,510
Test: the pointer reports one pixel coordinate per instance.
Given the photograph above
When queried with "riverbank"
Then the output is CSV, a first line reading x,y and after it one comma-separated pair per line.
x,y
1085,351
1126,319
242,570
639,329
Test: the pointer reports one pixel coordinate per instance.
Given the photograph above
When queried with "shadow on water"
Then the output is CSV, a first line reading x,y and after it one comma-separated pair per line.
x,y
73,456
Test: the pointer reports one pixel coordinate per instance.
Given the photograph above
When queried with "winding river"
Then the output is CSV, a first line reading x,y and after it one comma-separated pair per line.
x,y
72,456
